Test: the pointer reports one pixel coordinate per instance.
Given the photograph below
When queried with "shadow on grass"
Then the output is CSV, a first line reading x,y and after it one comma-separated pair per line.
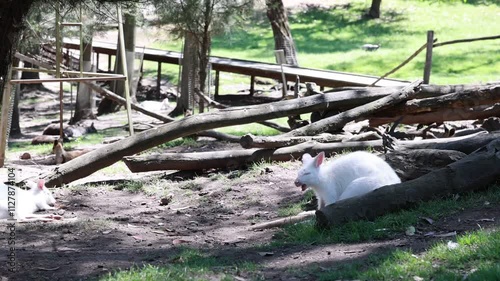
x,y
319,25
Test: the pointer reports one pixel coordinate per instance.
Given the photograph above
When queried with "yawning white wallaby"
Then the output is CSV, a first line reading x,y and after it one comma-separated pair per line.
x,y
350,175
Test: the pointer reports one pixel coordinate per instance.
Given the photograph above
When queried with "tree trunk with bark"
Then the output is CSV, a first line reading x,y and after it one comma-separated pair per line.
x,y
283,40
470,98
441,115
108,106
374,11
189,77
232,159
85,97
12,16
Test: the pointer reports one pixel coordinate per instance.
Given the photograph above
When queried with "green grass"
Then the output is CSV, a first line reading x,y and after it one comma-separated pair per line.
x,y
294,209
18,147
332,39
476,256
383,227
189,264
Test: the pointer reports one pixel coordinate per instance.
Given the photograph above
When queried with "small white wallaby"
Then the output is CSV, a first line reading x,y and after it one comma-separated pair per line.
x,y
350,175
27,202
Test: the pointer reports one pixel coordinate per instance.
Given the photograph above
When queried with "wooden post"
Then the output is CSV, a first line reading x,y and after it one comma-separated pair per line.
x,y
124,68
58,69
216,94
158,78
280,59
81,46
428,57
252,82
97,61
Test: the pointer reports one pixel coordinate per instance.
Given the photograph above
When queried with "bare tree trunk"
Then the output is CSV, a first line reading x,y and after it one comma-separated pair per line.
x,y
374,11
12,15
108,106
15,127
283,40
189,75
84,99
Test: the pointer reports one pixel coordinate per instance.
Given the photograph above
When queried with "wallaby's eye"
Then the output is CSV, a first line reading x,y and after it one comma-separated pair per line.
x,y
306,174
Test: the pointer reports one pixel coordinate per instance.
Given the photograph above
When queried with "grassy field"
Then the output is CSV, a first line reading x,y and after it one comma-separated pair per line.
x,y
331,38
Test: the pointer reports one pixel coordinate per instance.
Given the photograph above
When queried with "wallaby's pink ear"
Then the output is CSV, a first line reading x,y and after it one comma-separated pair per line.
x,y
319,159
41,183
306,157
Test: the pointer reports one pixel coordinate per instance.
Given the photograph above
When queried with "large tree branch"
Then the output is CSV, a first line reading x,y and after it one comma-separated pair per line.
x,y
335,122
233,159
461,99
222,106
338,121
109,154
440,115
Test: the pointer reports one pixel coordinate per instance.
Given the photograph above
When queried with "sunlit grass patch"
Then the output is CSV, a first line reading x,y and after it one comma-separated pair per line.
x,y
189,264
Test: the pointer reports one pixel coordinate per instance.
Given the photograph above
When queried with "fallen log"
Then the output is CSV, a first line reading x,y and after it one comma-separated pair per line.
x,y
251,141
219,105
338,121
109,154
413,163
426,91
233,159
440,116
471,173
218,135
462,99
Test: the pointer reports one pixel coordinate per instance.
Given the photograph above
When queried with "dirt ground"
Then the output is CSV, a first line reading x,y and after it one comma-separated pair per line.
x,y
117,228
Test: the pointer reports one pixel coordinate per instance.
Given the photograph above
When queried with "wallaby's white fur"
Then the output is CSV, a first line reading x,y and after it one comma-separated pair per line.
x,y
27,202
350,175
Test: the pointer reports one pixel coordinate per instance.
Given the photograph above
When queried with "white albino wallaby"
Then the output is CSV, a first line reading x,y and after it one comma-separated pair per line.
x,y
350,175
27,202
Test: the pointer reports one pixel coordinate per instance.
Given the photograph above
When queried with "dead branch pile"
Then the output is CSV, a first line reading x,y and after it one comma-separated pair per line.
x,y
352,119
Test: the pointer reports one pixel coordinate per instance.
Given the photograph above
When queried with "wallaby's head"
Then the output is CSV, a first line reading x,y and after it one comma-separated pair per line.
x,y
57,143
91,129
308,175
188,112
40,191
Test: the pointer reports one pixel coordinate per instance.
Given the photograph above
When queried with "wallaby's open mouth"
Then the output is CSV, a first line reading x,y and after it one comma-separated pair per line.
x,y
303,186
